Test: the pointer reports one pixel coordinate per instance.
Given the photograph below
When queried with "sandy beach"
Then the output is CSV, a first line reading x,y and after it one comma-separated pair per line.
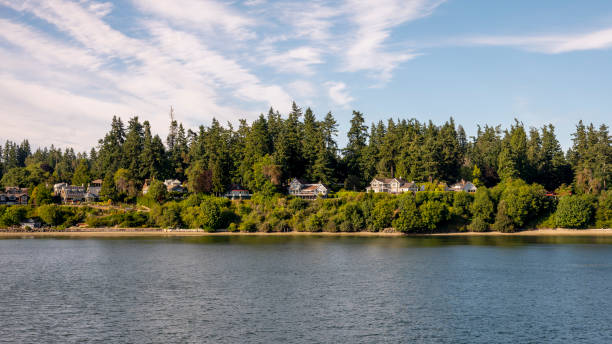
x,y
149,232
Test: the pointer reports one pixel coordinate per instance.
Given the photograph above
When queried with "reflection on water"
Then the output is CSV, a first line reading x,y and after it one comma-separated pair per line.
x,y
300,289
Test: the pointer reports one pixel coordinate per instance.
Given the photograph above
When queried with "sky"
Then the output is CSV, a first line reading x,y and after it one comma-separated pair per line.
x,y
67,67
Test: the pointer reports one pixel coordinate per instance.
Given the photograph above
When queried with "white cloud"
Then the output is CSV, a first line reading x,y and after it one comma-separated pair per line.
x,y
375,20
302,89
338,93
170,67
299,60
201,14
550,44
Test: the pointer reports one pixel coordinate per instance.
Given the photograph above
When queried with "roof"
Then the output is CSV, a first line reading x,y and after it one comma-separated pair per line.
x,y
399,180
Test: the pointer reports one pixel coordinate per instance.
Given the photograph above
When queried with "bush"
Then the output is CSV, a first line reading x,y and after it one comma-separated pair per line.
x,y
167,215
297,204
51,214
233,227
603,216
248,226
462,202
503,222
574,212
381,216
432,214
483,206
12,215
409,217
478,225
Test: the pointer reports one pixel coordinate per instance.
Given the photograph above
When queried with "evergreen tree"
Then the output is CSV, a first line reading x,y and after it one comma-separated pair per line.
x,y
354,151
81,174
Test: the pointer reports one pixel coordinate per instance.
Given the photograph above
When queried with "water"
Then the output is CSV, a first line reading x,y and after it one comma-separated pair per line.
x,y
306,290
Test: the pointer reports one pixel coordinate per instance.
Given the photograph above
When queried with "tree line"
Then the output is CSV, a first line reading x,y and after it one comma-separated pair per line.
x,y
264,154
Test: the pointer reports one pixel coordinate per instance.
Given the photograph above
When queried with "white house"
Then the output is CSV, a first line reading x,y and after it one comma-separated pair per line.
x,y
307,191
463,186
392,185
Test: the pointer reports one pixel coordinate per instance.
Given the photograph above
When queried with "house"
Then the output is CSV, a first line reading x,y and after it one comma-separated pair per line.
x,y
30,224
463,186
57,188
303,190
145,186
93,190
73,194
237,192
392,185
13,195
174,185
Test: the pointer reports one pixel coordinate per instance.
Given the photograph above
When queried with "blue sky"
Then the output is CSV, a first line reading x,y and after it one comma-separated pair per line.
x,y
68,66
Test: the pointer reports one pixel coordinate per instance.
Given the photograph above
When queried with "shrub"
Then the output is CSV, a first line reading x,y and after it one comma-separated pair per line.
x,y
233,227
478,225
574,212
432,214
381,216
12,215
462,202
297,204
248,226
483,206
603,215
168,215
51,214
409,217
503,222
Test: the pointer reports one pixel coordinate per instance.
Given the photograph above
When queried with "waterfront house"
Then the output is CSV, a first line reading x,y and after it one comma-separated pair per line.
x,y
13,195
463,186
392,185
145,186
237,192
304,190
57,188
93,190
30,224
73,194
174,185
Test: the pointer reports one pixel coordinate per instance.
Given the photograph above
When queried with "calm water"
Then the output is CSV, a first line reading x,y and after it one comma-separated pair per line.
x,y
306,290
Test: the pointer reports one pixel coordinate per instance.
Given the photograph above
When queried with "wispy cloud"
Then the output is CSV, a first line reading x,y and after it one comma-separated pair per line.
x,y
550,44
338,93
202,14
299,60
375,20
112,73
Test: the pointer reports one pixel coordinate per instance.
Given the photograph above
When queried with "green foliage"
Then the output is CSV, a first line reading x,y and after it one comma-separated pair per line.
x,y
462,202
381,216
433,213
207,215
51,214
478,225
603,215
157,191
81,174
12,215
167,215
108,191
41,195
574,212
409,217
503,222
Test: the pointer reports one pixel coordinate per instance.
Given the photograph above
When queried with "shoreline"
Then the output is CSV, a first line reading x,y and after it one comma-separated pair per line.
x,y
151,232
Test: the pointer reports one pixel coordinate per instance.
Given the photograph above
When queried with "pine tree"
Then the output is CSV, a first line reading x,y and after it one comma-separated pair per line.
x,y
354,151
133,148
